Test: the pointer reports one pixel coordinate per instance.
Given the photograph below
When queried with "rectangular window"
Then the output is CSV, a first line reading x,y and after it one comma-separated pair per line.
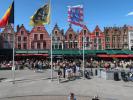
x,y
107,46
25,38
100,47
25,46
38,45
41,36
99,40
87,39
56,46
44,45
70,44
19,46
113,38
97,33
22,33
35,36
95,40
75,45
32,45
19,38
107,39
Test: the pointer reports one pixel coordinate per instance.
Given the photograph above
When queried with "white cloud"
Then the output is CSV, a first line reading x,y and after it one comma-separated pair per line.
x,y
130,14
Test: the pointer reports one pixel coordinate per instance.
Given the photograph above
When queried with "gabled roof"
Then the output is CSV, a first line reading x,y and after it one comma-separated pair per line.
x,y
85,27
35,29
97,29
22,26
70,29
61,32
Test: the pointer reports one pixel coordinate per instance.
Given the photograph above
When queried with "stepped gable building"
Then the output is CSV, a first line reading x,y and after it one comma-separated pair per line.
x,y
87,42
39,38
71,39
7,37
22,38
97,39
116,37
57,38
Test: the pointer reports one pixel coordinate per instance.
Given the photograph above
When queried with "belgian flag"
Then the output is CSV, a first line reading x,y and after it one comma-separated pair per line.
x,y
8,17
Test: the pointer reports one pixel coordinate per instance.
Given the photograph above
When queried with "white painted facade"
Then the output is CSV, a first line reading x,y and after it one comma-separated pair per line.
x,y
130,41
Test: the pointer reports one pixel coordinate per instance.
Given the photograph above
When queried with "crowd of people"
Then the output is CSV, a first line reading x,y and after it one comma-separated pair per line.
x,y
44,64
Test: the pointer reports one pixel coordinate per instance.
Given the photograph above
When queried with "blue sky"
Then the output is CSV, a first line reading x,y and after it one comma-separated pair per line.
x,y
96,12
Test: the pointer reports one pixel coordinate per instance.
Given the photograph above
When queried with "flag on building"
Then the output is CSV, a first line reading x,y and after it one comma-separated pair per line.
x,y
42,16
8,17
75,15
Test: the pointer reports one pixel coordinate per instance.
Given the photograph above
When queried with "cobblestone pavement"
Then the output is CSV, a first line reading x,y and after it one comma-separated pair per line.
x,y
45,98
37,86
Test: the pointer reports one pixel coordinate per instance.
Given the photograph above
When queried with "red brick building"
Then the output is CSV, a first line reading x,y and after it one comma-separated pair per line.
x,y
71,39
87,43
39,38
116,37
97,39
22,38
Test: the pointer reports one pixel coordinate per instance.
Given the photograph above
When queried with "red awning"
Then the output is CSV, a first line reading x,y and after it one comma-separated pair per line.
x,y
119,56
103,55
114,56
31,55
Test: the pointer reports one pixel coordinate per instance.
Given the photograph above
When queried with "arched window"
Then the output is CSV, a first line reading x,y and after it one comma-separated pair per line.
x,y
70,36
55,32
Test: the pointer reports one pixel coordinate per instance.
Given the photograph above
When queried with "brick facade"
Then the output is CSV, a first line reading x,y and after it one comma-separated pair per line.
x,y
116,37
97,39
39,38
71,39
22,38
87,42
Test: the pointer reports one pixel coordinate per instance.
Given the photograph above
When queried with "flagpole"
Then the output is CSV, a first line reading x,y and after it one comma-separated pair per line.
x,y
83,50
83,55
13,56
13,66
51,47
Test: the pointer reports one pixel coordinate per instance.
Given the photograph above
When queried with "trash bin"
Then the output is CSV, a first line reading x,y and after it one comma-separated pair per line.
x,y
116,76
124,76
87,75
